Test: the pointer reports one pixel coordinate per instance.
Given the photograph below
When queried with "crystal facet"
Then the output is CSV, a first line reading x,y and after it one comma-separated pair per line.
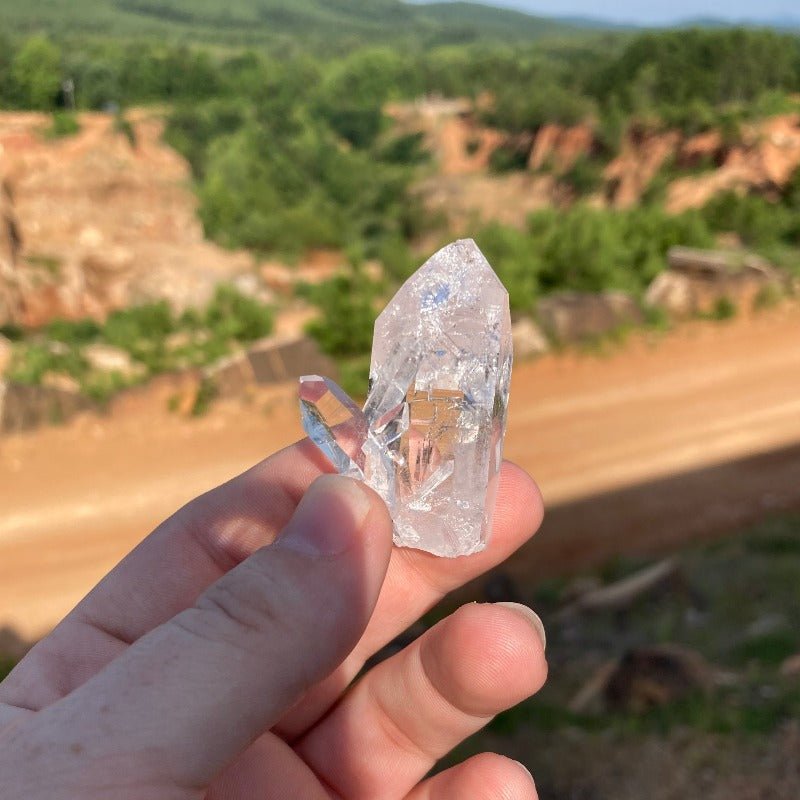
x,y
431,432
334,423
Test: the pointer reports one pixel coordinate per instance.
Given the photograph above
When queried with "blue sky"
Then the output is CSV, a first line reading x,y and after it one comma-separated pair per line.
x,y
659,11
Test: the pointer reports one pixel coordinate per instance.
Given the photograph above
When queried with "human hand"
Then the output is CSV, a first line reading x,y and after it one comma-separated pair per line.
x,y
218,659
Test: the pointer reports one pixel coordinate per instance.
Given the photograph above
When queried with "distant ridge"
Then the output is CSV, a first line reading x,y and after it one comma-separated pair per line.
x,y
782,23
253,22
329,25
785,22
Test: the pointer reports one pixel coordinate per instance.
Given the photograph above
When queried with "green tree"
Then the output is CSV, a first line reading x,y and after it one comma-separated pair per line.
x,y
352,95
36,73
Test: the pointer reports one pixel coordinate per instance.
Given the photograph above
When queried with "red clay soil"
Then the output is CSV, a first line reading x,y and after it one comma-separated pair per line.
x,y
623,445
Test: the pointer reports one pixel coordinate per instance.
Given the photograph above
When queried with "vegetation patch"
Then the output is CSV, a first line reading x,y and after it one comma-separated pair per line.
x,y
154,338
65,123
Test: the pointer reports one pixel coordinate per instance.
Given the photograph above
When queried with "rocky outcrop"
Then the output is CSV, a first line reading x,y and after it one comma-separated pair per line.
x,y
106,358
280,358
272,360
529,339
24,408
673,293
575,316
642,156
98,225
698,279
452,132
232,376
703,149
560,147
10,245
765,159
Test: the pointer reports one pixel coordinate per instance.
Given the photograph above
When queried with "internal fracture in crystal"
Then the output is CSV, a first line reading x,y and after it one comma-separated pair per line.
x,y
429,439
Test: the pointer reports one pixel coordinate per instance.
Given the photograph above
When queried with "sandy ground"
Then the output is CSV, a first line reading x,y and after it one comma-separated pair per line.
x,y
74,499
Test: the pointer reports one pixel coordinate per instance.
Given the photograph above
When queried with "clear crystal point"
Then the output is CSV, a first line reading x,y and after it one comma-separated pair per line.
x,y
334,423
433,425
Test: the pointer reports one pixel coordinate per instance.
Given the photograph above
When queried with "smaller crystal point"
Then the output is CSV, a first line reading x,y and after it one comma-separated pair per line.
x,y
334,423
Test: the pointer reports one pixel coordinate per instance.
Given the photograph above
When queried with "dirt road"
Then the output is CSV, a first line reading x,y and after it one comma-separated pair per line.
x,y
74,499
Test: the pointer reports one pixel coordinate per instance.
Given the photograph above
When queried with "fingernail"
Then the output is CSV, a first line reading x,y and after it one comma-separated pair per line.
x,y
522,766
329,518
533,618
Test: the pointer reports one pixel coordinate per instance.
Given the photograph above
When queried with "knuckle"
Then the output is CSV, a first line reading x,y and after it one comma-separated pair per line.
x,y
243,608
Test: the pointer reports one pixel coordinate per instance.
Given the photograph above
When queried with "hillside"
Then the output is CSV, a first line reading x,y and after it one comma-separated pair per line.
x,y
247,22
490,21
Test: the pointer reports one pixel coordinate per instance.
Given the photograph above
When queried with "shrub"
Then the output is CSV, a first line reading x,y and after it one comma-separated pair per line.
x,y
64,123
73,332
144,332
206,394
768,296
397,259
724,308
30,362
508,157
347,317
755,220
516,262
354,376
526,108
584,177
587,249
232,315
124,127
405,149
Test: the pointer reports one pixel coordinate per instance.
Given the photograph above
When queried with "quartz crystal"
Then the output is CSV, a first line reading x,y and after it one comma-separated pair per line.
x,y
334,423
430,437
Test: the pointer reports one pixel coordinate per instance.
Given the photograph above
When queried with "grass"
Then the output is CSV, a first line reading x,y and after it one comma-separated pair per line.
x,y
737,602
727,712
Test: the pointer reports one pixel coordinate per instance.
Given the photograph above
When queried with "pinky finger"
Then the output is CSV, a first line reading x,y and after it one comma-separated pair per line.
x,y
484,777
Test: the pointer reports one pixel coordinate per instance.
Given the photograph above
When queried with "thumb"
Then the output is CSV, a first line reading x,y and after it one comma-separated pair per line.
x,y
195,692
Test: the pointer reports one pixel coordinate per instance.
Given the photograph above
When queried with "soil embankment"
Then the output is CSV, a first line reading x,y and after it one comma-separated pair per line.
x,y
627,447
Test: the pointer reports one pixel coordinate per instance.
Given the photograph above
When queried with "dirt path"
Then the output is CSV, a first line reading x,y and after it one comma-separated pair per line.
x,y
74,499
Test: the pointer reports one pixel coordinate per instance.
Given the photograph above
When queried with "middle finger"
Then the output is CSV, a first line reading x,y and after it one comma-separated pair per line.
x,y
415,707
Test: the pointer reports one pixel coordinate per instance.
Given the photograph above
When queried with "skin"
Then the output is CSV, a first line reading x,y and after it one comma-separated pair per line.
x,y
218,659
